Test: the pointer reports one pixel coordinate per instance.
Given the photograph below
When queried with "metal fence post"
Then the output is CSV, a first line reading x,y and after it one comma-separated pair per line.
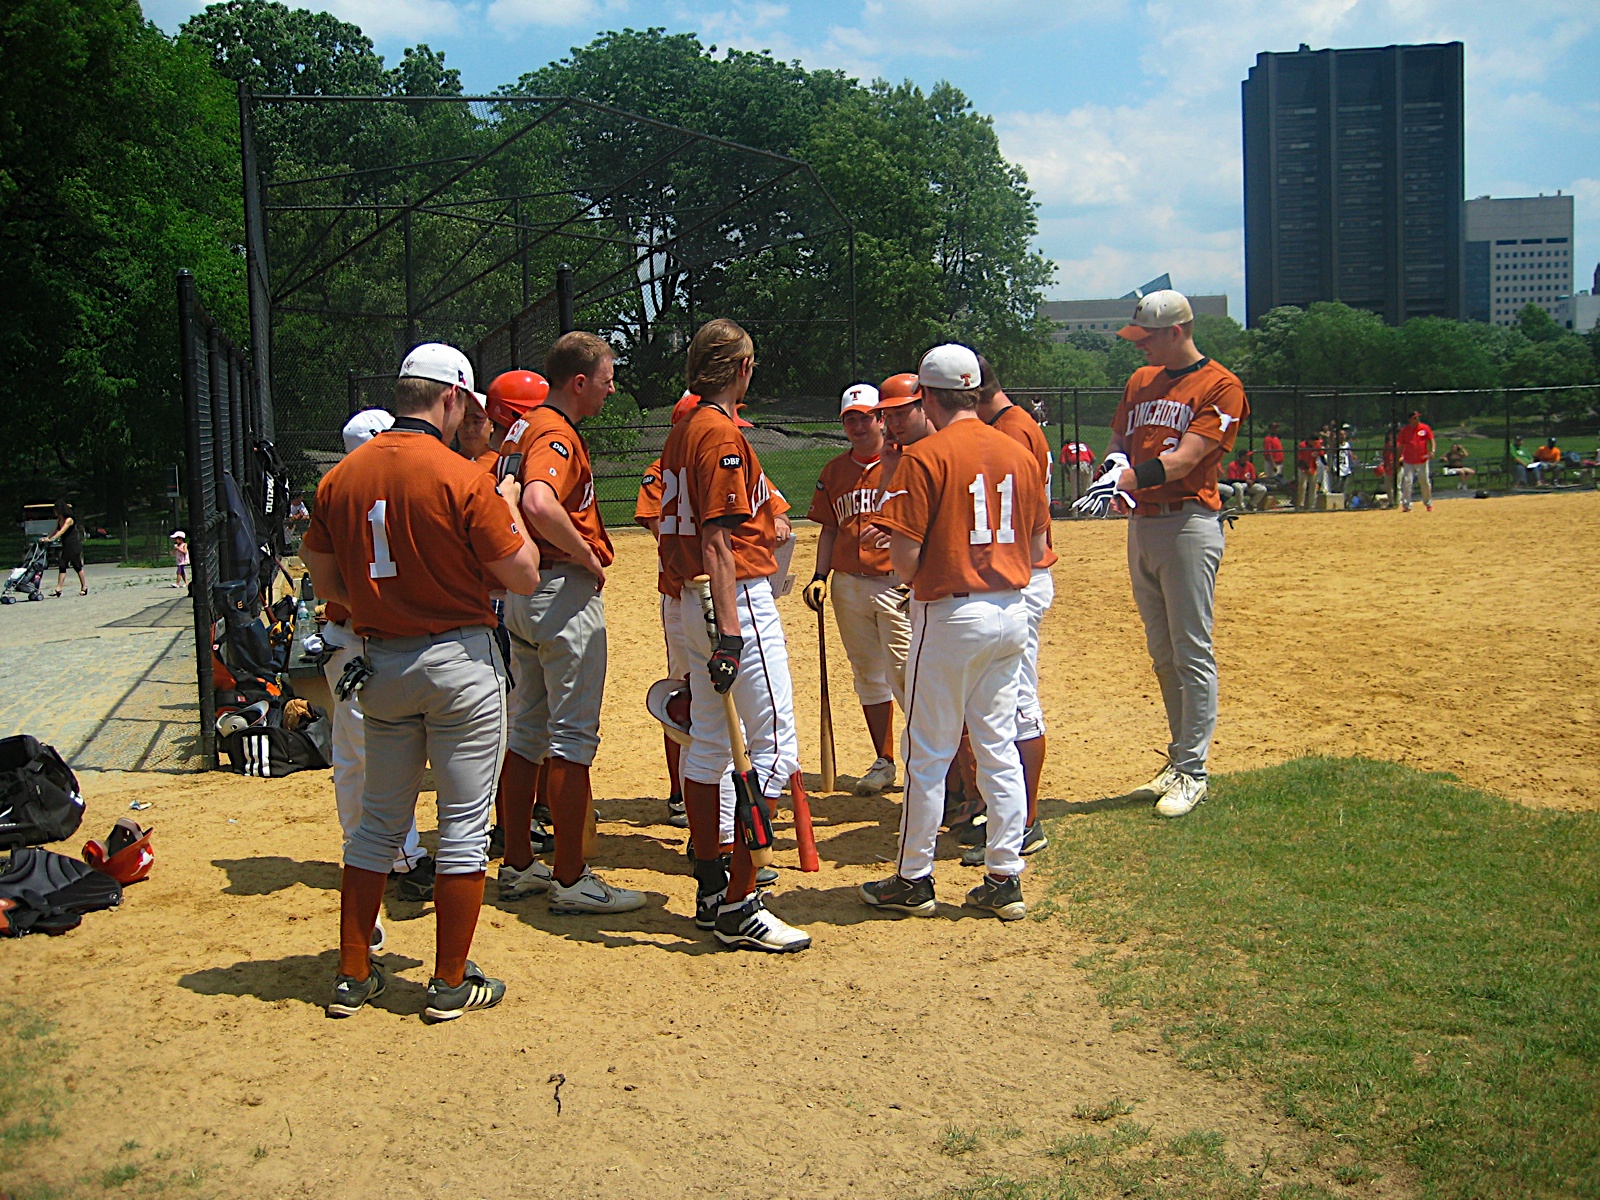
x,y
200,572
1077,440
352,392
564,314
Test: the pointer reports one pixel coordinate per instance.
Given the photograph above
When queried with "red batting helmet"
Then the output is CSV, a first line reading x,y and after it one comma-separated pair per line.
x,y
125,854
899,390
512,394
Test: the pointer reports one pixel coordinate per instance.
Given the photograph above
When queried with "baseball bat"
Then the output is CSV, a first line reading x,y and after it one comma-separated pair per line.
x,y
747,804
804,838
829,771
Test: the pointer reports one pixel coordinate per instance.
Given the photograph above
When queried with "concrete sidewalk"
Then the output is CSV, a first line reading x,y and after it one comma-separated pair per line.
x,y
108,679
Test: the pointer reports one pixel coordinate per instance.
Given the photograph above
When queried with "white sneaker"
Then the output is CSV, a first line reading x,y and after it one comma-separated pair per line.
x,y
748,925
880,775
380,939
591,894
1157,787
1183,798
533,880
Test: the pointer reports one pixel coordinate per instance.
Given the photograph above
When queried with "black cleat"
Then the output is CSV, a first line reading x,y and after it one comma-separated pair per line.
x,y
1002,897
911,896
416,885
350,995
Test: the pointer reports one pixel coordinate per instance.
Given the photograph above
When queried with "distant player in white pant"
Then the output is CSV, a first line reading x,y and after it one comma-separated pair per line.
x,y
996,410
968,519
719,520
867,598
411,864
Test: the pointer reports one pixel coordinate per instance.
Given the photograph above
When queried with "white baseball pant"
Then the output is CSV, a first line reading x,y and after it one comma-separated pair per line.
x,y
962,669
1410,475
763,693
1039,595
678,668
350,746
876,635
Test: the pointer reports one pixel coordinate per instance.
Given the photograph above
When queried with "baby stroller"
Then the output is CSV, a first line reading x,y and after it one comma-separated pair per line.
x,y
23,582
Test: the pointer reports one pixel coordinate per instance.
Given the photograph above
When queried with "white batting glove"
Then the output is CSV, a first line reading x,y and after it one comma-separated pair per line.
x,y
1115,461
1102,493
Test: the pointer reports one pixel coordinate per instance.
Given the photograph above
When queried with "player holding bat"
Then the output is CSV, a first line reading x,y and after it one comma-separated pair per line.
x,y
718,521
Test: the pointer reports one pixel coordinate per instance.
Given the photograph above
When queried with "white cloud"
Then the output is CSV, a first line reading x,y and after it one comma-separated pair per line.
x,y
518,14
986,18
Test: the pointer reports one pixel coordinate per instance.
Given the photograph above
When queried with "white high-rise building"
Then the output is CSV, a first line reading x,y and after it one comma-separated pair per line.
x,y
1519,251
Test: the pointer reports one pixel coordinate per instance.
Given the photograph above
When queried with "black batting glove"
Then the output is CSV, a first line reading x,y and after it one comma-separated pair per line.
x,y
724,664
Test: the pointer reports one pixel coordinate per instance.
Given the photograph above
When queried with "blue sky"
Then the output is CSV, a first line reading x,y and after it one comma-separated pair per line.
x,y
1125,115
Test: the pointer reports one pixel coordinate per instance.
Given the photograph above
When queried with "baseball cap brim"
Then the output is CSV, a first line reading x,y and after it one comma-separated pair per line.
x,y
1134,333
860,408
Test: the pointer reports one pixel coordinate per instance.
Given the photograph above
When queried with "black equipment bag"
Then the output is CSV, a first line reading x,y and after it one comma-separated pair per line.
x,y
39,797
43,892
270,751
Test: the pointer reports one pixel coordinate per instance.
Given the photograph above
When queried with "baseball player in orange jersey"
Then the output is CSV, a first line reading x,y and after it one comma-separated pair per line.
x,y
1178,417
510,395
996,409
718,520
404,535
968,519
558,636
412,864
866,595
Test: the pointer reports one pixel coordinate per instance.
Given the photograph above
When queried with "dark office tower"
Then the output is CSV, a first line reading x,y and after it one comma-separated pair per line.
x,y
1353,180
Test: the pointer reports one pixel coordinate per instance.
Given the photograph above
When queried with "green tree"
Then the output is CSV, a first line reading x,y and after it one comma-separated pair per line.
x,y
1220,338
118,165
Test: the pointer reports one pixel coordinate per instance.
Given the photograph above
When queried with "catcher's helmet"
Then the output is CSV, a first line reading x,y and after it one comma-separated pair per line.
x,y
512,394
125,854
899,390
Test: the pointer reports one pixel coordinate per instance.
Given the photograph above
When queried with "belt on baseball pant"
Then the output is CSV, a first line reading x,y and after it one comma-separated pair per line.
x,y
1172,509
417,642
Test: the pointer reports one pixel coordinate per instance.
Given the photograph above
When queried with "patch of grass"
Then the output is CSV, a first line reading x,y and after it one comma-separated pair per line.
x,y
1354,1174
1129,1133
956,1141
1205,1143
128,1145
259,1152
118,1175
29,1095
1078,1147
1104,1111
1411,966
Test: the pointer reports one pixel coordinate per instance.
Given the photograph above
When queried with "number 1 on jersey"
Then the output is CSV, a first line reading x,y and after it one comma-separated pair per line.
x,y
981,534
382,566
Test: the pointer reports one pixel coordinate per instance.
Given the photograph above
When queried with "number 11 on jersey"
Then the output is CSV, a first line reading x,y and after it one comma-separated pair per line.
x,y
981,534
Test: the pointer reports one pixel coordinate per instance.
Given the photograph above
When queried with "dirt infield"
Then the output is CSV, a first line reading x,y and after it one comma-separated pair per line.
x,y
1456,640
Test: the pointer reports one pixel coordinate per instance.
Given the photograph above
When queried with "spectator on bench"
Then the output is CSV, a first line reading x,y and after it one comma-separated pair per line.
x,y
1455,463
1524,472
1547,462
1241,485
1272,453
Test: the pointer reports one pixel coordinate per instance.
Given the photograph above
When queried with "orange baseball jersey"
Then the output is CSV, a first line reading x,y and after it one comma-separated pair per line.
x,y
411,524
846,498
554,453
710,473
972,497
647,508
1015,423
488,459
1159,406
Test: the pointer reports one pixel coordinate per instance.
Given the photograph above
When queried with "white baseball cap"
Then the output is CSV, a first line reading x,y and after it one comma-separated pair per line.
x,y
859,397
952,367
1158,310
366,425
440,363
177,533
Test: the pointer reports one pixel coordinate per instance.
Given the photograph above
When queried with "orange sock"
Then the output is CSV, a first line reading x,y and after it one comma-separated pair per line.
x,y
567,794
456,901
704,805
880,724
674,757
517,780
360,897
1032,752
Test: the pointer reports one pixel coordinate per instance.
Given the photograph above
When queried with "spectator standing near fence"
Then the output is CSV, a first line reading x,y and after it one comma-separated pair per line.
x,y
1416,453
1347,464
180,555
1178,418
1308,463
1272,453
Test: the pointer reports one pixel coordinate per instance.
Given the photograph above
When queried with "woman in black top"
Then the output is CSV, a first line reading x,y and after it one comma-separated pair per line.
x,y
70,535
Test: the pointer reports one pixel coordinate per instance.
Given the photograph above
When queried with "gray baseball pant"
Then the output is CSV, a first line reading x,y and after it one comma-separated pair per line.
x,y
439,699
1173,561
558,656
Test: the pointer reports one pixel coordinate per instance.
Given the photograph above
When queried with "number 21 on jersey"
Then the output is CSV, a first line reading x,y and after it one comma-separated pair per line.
x,y
981,534
382,564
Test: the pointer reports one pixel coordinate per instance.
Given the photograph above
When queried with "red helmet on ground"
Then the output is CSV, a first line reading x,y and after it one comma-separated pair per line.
x,y
899,390
125,854
512,394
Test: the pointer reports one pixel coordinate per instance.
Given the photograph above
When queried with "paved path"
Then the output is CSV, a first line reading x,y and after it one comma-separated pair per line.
x,y
107,678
